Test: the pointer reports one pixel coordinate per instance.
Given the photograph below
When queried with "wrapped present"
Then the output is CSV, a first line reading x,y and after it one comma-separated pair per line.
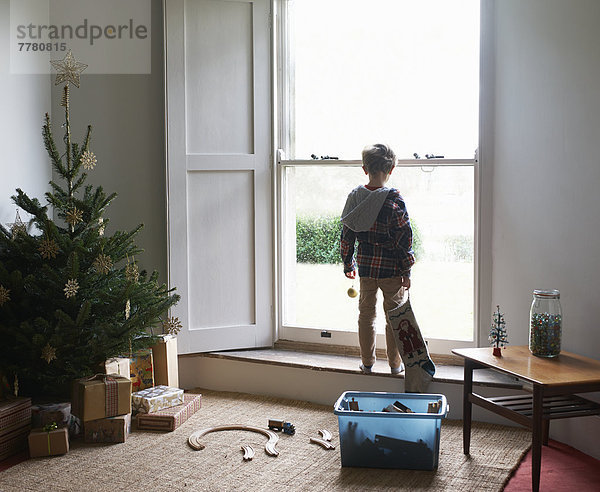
x,y
15,424
169,419
155,399
141,370
118,365
164,359
101,396
49,441
112,429
44,414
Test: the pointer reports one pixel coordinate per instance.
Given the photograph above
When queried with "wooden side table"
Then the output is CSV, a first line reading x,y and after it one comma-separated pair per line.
x,y
555,384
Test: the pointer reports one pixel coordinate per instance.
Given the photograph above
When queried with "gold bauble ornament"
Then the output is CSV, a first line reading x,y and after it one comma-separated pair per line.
x,y
352,292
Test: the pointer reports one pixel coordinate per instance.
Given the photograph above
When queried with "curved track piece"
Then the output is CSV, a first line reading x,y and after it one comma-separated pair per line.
x,y
194,439
326,434
325,444
248,452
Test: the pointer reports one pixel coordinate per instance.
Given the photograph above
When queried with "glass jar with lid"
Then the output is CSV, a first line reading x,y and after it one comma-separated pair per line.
x,y
545,323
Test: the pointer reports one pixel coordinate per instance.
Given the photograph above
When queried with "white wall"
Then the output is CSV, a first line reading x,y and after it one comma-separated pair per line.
x,y
24,100
545,100
127,116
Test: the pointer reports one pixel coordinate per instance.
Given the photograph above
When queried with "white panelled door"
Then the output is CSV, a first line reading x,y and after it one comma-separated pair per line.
x,y
219,172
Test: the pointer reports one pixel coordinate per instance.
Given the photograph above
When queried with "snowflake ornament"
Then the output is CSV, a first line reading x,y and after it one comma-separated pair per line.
x,y
48,248
48,353
132,272
172,326
88,160
4,295
102,264
73,217
71,288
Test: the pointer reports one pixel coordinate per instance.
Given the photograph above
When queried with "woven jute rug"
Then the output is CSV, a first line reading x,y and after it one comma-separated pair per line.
x,y
164,461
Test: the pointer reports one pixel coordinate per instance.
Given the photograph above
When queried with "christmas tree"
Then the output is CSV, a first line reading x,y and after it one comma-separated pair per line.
x,y
498,336
71,296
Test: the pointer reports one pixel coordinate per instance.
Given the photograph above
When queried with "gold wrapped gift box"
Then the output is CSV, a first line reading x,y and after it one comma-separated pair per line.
x,y
111,429
100,397
48,443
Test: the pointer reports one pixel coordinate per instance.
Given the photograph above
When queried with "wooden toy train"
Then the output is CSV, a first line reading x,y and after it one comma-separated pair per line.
x,y
280,425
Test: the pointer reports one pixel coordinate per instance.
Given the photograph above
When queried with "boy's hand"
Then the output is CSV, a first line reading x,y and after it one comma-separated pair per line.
x,y
405,282
351,274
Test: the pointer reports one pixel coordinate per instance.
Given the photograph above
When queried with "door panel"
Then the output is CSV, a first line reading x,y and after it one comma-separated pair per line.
x,y
219,172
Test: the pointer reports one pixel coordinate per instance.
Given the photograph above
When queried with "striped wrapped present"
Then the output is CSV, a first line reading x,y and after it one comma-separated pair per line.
x,y
170,418
15,424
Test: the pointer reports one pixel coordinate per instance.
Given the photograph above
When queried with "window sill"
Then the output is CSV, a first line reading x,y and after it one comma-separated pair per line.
x,y
348,364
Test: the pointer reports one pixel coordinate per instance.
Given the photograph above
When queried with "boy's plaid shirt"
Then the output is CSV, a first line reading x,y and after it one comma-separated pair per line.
x,y
385,250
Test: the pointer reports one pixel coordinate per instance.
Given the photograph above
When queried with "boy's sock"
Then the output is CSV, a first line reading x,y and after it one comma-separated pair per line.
x,y
413,350
365,369
397,370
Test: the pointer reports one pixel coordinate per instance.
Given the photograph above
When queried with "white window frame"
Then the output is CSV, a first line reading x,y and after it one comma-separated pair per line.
x,y
282,143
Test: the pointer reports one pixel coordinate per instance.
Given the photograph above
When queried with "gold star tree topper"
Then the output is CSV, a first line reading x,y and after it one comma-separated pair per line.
x,y
68,70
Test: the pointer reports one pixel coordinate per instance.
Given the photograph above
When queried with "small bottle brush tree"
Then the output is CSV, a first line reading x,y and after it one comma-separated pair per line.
x,y
71,296
498,336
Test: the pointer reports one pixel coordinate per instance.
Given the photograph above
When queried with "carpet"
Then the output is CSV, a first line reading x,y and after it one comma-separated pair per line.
x,y
164,461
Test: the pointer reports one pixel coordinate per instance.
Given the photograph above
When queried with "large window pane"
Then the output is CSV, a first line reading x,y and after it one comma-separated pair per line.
x,y
440,203
404,72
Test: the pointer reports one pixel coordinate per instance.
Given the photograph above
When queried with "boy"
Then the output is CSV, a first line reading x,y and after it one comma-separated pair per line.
x,y
376,216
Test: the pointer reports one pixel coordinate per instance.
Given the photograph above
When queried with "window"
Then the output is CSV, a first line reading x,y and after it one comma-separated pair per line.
x,y
352,73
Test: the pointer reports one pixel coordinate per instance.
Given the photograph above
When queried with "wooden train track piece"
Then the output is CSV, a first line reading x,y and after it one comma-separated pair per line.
x,y
194,439
325,434
248,452
325,444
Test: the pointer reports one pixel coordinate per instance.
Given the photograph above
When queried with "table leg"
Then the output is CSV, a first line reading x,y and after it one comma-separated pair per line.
x,y
545,432
538,430
467,405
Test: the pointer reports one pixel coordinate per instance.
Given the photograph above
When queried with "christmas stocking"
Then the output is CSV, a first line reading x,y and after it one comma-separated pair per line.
x,y
412,348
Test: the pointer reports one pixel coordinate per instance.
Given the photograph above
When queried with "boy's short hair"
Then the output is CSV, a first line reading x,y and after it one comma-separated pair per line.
x,y
378,158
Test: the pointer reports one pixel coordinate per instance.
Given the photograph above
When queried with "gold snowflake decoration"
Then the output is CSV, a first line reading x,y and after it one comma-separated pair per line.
x,y
71,288
48,248
102,264
68,70
172,326
48,353
101,226
4,295
74,216
132,272
88,160
127,309
17,227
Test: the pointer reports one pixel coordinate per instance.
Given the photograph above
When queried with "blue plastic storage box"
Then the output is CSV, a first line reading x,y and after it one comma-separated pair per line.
x,y
371,437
